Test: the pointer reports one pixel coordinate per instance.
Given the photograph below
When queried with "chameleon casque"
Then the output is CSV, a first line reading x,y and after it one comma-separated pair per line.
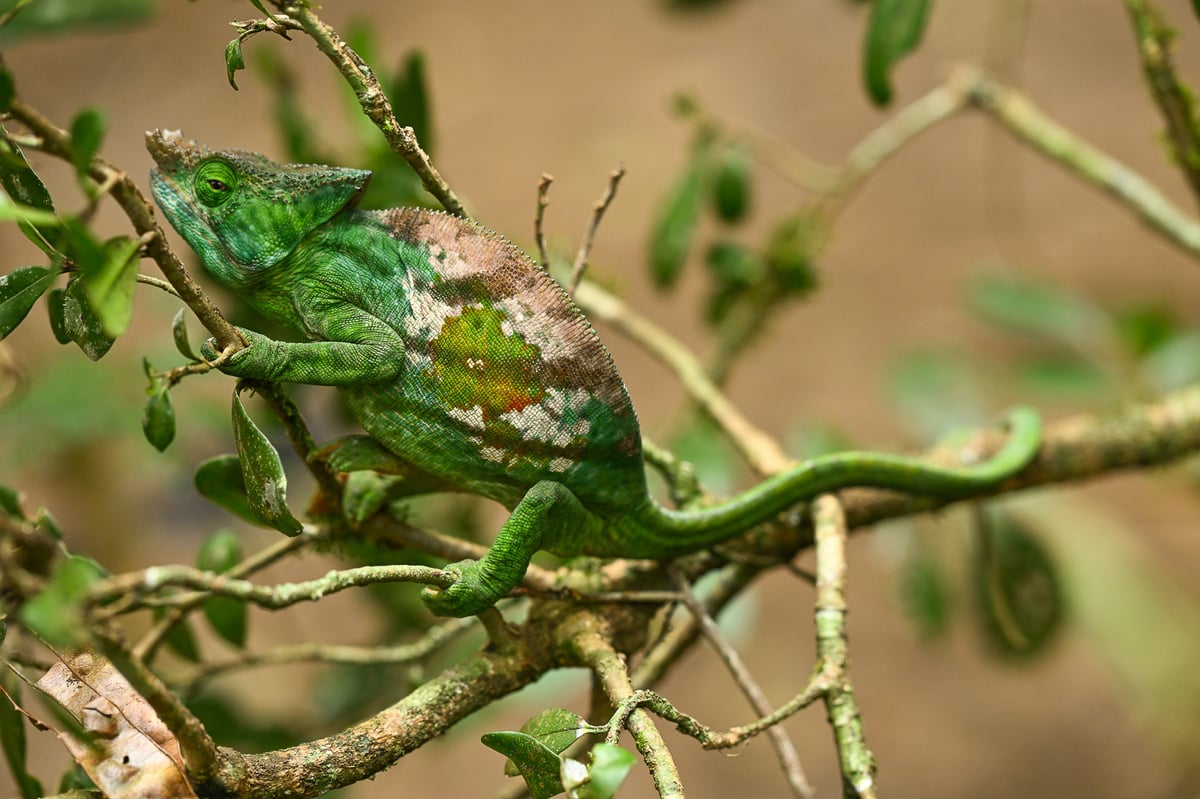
x,y
474,369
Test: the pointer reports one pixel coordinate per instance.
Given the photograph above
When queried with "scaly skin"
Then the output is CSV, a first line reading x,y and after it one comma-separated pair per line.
x,y
471,367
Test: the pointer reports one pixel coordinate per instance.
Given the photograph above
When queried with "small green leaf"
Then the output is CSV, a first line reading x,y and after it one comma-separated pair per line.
x,y
54,614
234,60
1144,328
49,525
536,763
87,133
78,322
410,98
1018,592
610,766
19,290
10,502
1174,364
219,553
219,480
731,184
262,470
791,249
1065,376
936,390
12,737
56,308
924,596
734,264
180,639
158,418
7,90
110,284
1034,308
556,727
20,181
180,335
675,226
893,31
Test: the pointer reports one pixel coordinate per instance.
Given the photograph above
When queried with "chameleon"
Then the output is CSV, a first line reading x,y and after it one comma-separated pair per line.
x,y
471,369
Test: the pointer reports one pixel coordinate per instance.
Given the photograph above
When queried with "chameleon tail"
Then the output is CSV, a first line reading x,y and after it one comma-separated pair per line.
x,y
669,533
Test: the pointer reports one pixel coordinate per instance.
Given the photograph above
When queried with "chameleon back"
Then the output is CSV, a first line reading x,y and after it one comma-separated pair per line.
x,y
506,383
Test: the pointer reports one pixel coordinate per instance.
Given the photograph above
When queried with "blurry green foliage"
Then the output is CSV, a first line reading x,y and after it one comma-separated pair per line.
x,y
39,17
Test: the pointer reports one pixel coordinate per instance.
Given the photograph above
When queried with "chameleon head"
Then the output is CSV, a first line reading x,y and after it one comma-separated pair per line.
x,y
242,212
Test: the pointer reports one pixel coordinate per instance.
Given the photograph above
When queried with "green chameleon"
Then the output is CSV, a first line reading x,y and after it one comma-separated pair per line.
x,y
472,368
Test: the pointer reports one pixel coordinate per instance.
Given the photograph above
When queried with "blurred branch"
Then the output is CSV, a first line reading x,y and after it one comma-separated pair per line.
x,y
1021,118
598,209
1174,99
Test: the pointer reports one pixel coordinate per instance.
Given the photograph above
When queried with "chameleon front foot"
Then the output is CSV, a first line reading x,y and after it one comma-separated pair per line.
x,y
469,595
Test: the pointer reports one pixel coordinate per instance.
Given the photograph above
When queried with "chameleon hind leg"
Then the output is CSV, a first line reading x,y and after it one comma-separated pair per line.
x,y
548,514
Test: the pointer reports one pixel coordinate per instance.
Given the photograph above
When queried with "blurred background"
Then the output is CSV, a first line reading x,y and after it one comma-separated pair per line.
x,y
905,322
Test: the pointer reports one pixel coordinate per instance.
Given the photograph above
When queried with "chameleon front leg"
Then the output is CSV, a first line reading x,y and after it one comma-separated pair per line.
x,y
549,512
377,356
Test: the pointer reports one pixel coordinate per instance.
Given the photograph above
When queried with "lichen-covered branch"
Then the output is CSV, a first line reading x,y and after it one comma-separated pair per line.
x,y
1174,99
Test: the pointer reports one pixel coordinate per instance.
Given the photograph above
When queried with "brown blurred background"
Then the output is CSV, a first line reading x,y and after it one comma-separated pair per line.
x,y
571,88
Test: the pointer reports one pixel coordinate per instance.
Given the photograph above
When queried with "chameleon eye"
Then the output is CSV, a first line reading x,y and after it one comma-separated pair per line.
x,y
214,183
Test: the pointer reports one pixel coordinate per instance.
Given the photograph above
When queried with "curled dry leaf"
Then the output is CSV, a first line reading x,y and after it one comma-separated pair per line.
x,y
131,753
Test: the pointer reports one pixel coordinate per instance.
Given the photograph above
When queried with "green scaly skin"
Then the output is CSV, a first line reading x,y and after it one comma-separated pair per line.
x,y
472,368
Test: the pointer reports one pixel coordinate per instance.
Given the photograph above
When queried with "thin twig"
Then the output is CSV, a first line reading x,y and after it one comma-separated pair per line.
x,y
785,750
539,232
148,645
373,100
271,597
598,209
311,651
1021,118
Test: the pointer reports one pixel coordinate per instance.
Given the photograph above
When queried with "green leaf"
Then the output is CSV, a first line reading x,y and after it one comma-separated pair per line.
x,y
734,264
893,31
56,308
12,737
7,90
1065,376
180,335
262,470
19,290
1018,592
935,390
536,763
180,639
10,502
220,481
1143,328
675,227
158,418
110,283
76,321
610,766
20,181
54,614
219,553
234,60
791,249
925,597
731,184
409,95
87,133
1174,364
49,525
1039,310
